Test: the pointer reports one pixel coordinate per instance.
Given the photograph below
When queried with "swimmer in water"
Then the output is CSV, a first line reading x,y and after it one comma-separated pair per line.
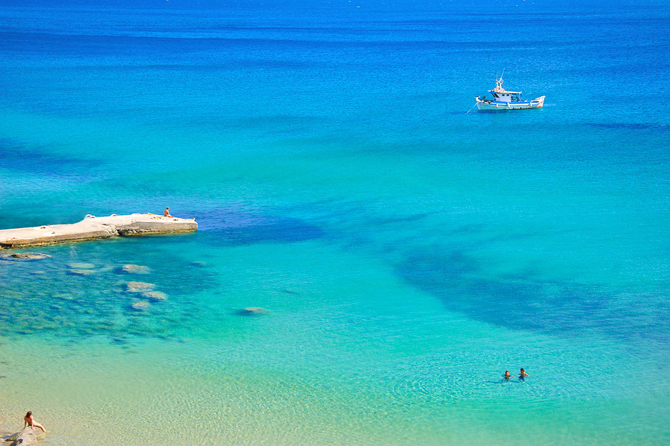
x,y
522,374
507,375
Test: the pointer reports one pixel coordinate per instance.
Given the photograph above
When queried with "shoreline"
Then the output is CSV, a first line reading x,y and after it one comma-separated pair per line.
x,y
95,228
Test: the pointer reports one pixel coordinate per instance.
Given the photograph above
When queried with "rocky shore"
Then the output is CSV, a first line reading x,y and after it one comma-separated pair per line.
x,y
26,437
95,228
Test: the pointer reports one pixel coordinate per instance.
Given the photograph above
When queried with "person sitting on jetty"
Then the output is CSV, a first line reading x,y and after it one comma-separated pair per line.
x,y
507,375
522,374
28,420
167,212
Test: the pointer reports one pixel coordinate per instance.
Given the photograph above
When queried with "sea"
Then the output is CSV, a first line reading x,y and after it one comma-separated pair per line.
x,y
372,253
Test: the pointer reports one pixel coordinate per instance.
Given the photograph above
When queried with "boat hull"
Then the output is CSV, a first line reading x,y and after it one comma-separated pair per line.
x,y
502,106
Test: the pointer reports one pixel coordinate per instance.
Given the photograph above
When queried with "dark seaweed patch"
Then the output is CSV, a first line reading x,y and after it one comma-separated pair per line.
x,y
524,302
233,228
71,307
18,157
631,126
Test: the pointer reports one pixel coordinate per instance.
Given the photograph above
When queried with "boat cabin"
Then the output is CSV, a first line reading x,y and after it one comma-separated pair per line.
x,y
502,95
507,96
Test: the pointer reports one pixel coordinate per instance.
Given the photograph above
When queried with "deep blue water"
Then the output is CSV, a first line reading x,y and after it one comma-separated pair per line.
x,y
408,251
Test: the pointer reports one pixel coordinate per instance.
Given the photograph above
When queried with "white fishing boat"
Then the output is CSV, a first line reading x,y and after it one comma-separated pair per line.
x,y
506,100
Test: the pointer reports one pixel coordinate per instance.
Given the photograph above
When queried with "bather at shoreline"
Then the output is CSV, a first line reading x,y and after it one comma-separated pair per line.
x,y
28,436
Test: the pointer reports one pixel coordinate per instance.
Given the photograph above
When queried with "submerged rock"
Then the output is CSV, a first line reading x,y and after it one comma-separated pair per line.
x,y
20,256
81,272
80,265
139,287
141,305
135,269
252,311
64,296
155,295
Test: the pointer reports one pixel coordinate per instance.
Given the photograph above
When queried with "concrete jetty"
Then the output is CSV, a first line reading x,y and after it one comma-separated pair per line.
x,y
95,228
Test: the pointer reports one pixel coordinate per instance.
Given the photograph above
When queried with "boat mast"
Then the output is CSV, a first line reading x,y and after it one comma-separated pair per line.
x,y
499,88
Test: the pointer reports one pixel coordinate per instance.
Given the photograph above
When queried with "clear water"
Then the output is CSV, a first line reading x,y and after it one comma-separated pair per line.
x,y
408,252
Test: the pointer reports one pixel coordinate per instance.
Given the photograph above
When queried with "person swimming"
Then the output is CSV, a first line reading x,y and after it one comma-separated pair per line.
x,y
507,375
523,374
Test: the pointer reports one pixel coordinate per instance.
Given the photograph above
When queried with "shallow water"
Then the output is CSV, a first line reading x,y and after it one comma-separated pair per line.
x,y
407,252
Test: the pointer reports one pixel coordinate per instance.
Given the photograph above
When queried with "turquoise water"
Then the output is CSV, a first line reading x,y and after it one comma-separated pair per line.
x,y
407,252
